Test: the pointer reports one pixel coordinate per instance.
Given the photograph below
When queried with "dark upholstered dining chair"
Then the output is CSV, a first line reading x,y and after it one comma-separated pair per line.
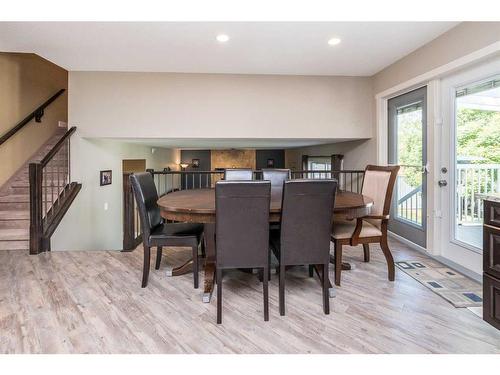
x,y
238,174
242,231
276,176
155,232
304,236
378,184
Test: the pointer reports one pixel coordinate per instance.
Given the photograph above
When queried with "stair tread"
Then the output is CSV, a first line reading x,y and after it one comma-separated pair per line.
x,y
14,245
14,234
25,198
15,198
14,201
15,215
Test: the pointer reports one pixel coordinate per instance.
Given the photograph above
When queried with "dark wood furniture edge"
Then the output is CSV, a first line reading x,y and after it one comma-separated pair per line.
x,y
491,270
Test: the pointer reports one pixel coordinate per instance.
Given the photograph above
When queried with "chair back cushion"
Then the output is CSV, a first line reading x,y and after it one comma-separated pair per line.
x,y
378,184
238,174
242,223
306,221
146,197
276,176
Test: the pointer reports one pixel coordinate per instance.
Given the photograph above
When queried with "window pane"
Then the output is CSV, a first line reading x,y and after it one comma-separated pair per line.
x,y
409,156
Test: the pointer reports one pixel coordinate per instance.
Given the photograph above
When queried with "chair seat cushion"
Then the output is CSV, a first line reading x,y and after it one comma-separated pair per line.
x,y
173,230
345,229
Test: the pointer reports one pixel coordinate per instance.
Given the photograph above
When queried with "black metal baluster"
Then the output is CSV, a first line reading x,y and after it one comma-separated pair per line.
x,y
58,182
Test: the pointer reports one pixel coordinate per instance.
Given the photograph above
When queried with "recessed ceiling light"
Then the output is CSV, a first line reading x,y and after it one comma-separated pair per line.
x,y
222,38
334,41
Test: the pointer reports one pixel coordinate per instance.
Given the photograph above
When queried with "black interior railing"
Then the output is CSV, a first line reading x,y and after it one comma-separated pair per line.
x,y
37,114
51,193
169,181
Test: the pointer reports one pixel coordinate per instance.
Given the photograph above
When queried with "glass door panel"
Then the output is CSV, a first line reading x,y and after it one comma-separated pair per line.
x,y
407,148
477,157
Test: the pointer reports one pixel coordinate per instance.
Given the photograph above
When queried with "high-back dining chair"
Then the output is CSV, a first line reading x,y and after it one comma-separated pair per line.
x,y
304,236
378,184
276,176
238,174
242,231
155,232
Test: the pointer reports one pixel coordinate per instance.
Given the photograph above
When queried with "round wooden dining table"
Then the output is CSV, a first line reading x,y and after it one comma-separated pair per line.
x,y
198,206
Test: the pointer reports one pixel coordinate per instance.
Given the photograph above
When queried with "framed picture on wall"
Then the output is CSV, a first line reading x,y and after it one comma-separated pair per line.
x,y
270,163
105,177
195,163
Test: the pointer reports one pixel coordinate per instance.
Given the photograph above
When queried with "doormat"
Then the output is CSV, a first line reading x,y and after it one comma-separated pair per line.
x,y
457,289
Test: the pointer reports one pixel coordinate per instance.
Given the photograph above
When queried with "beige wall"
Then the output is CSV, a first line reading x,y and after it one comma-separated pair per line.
x,y
87,225
149,105
26,81
463,39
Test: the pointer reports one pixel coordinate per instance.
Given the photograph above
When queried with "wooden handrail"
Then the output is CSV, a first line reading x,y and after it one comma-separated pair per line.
x,y
36,114
57,146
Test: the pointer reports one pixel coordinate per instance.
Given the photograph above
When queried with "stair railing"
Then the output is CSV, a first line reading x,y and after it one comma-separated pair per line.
x,y
51,193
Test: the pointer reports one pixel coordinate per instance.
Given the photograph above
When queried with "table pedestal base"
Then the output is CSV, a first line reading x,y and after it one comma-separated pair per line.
x,y
181,270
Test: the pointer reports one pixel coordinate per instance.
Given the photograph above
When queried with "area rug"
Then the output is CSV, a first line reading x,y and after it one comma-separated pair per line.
x,y
457,289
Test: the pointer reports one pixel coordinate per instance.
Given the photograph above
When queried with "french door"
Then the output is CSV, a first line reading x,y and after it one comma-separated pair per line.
x,y
408,148
469,160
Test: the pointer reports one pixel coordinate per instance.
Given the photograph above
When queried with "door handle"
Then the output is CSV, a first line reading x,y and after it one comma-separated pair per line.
x,y
442,183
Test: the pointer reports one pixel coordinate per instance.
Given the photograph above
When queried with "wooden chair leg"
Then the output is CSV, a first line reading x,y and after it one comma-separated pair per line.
x,y
388,257
158,257
326,286
282,290
218,280
195,267
338,262
145,270
311,270
265,285
366,252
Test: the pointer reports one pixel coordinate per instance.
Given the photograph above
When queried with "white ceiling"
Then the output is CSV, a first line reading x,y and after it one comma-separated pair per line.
x,y
228,143
254,47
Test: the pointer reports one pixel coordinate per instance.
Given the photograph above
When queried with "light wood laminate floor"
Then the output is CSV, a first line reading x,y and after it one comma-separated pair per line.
x,y
91,302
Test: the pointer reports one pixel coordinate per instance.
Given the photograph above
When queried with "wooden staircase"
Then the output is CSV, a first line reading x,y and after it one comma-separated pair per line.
x,y
15,198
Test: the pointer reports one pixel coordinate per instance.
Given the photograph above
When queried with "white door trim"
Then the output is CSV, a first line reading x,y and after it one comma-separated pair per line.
x,y
434,122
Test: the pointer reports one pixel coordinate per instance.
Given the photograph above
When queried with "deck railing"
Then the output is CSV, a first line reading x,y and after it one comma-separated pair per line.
x,y
169,181
474,183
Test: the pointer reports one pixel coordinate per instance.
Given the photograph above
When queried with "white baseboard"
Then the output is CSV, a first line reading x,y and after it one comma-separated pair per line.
x,y
445,261
407,242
